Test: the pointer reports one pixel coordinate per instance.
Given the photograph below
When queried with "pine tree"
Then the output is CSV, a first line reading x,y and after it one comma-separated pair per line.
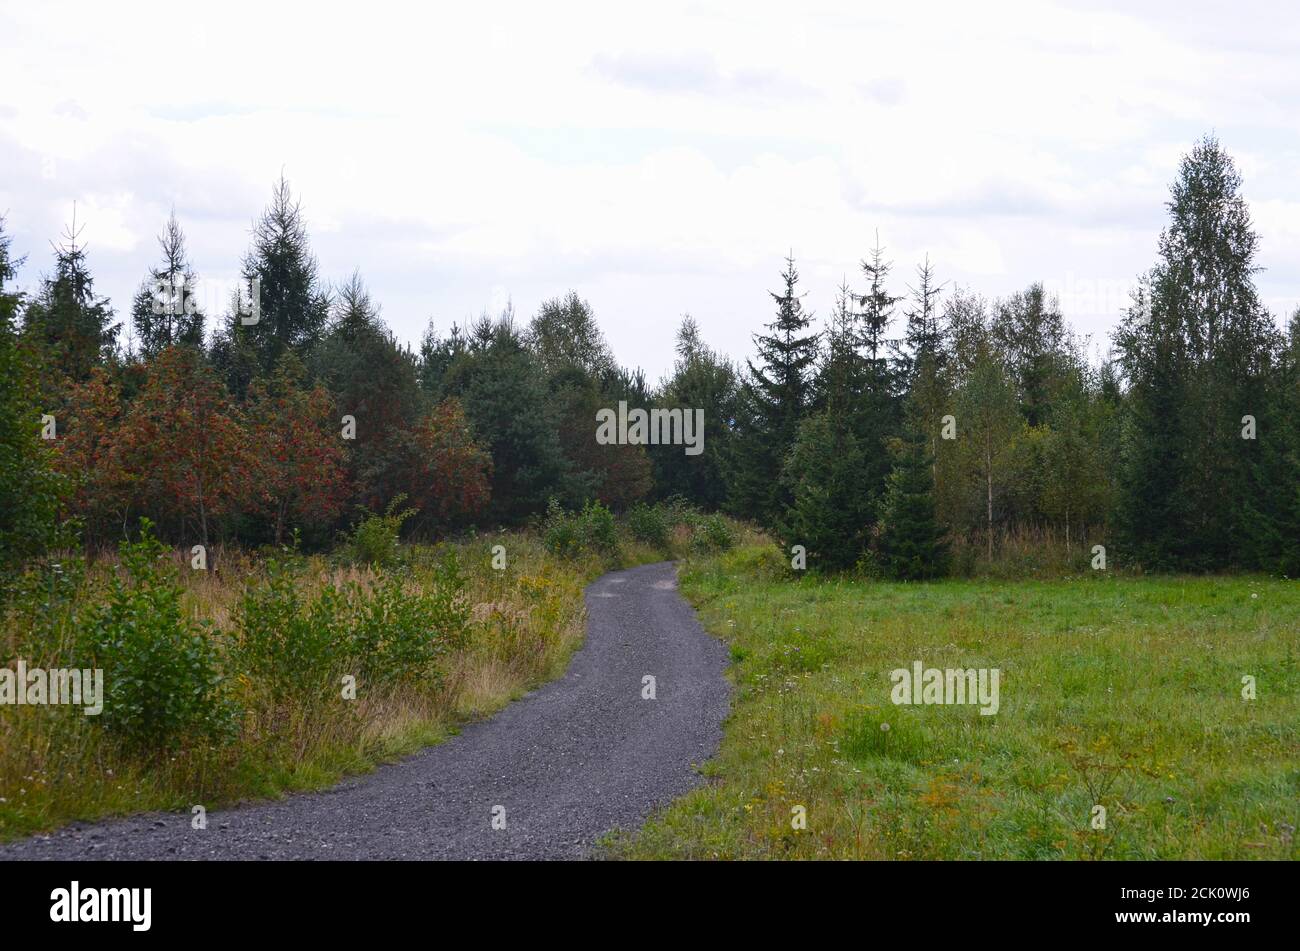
x,y
778,393
372,378
167,311
911,545
283,305
30,491
72,326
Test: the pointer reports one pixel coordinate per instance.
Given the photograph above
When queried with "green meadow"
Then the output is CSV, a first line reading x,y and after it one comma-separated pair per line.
x,y
1116,691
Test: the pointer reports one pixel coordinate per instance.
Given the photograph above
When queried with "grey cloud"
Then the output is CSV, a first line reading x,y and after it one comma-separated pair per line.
x,y
694,73
887,90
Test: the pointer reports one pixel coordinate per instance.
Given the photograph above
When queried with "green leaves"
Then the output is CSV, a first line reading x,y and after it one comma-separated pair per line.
x,y
163,681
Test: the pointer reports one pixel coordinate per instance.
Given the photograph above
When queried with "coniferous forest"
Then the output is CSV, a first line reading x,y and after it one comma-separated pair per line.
x,y
918,430
265,544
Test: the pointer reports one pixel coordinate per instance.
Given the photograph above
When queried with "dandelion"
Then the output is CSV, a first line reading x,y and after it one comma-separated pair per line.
x,y
884,727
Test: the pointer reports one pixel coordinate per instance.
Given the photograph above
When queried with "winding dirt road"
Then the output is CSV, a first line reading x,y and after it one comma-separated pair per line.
x,y
571,761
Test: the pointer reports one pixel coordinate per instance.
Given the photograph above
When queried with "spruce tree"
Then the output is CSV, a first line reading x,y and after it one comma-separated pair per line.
x,y
167,311
911,544
923,338
878,416
833,489
823,474
30,491
290,308
702,379
778,393
503,388
72,326
372,378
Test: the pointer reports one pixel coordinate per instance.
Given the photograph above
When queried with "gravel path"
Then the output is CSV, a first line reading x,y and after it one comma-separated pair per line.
x,y
573,760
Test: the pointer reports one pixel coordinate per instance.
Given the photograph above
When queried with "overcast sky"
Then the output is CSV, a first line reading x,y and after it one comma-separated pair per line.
x,y
659,158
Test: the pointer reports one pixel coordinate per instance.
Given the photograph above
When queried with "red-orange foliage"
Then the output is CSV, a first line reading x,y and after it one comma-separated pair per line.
x,y
185,445
298,449
87,451
450,473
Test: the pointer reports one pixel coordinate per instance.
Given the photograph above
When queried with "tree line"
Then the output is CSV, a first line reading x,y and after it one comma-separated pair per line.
x,y
915,428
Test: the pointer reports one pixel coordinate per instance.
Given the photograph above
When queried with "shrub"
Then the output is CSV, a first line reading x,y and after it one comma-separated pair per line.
x,y
374,541
291,645
400,633
712,533
593,530
650,524
560,531
162,681
599,530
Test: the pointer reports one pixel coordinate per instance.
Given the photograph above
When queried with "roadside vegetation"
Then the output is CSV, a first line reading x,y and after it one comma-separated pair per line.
x,y
229,683
1118,691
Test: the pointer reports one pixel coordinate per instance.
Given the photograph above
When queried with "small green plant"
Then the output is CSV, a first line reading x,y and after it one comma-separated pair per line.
x,y
712,533
599,530
569,534
651,524
162,680
375,539
560,531
400,633
291,644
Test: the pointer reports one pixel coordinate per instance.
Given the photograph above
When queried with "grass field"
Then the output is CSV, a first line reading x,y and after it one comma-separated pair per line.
x,y
1120,692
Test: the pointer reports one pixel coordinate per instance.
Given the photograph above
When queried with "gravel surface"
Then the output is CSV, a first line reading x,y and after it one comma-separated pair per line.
x,y
571,761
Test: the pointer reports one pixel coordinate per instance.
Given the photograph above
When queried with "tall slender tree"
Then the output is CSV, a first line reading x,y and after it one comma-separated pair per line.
x,y
167,309
1198,349
1029,329
911,545
701,379
30,491
283,305
778,393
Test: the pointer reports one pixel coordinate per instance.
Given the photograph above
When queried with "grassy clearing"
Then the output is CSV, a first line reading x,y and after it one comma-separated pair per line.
x,y
1124,692
517,628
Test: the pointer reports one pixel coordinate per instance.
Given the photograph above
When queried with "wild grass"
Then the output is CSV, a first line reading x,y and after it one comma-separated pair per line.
x,y
1118,691
523,623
